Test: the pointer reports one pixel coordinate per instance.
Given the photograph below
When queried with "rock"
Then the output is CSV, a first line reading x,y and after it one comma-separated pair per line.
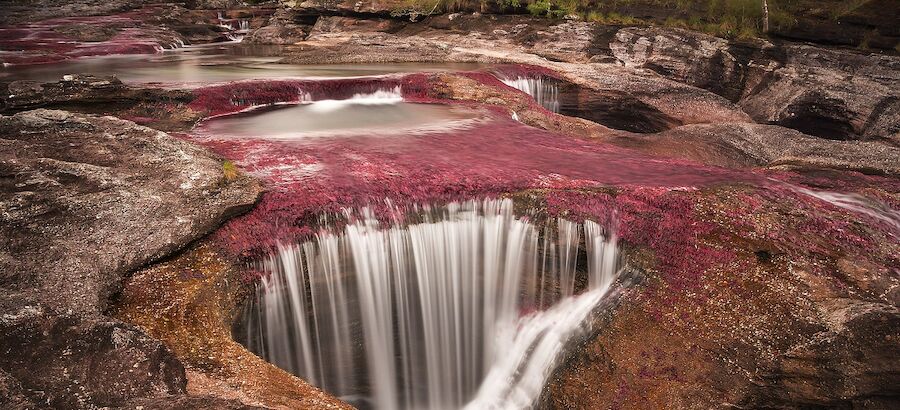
x,y
282,28
214,4
85,200
65,361
12,393
80,193
18,12
757,145
870,24
337,24
689,57
187,403
830,94
850,365
26,94
348,7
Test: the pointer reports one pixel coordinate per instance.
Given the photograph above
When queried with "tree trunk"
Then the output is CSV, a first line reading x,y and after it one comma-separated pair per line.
x,y
765,16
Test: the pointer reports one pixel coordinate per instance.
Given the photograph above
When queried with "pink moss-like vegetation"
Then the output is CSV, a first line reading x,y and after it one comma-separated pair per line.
x,y
650,202
51,41
660,219
240,96
493,156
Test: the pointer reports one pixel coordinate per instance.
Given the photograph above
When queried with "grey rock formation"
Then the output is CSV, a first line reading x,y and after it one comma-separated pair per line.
x,y
85,200
81,90
831,94
282,28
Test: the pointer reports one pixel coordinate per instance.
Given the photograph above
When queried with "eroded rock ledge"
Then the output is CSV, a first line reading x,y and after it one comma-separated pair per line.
x,y
86,200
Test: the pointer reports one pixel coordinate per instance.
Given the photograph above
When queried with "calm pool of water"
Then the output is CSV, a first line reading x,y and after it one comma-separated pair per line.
x,y
211,63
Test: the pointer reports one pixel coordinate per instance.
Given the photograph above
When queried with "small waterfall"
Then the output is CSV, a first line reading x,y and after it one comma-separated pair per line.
x,y
545,92
470,305
237,38
244,25
379,97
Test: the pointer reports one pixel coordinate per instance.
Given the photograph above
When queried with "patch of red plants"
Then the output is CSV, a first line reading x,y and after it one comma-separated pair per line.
x,y
652,206
47,42
498,155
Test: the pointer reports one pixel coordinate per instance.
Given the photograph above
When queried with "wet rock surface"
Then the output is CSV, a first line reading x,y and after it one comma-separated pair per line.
x,y
87,200
84,92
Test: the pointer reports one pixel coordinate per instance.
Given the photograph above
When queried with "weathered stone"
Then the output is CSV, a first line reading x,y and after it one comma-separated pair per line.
x,y
25,94
831,94
851,365
88,199
282,28
85,200
65,361
826,93
757,145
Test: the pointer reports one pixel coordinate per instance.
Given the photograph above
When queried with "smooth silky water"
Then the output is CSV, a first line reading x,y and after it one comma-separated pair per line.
x,y
212,63
380,112
460,306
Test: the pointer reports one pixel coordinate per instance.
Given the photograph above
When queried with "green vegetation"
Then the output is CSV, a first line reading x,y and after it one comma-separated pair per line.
x,y
726,18
229,171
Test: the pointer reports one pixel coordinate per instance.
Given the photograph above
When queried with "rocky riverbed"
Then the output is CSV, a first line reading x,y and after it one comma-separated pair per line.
x,y
752,184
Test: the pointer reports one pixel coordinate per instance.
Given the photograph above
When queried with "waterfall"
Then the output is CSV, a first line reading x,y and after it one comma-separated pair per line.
x,y
379,97
467,305
546,93
244,25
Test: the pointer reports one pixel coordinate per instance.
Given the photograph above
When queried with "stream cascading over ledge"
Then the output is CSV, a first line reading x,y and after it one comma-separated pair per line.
x,y
469,306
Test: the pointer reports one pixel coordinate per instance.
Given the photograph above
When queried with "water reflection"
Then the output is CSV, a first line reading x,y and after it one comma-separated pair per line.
x,y
362,115
211,64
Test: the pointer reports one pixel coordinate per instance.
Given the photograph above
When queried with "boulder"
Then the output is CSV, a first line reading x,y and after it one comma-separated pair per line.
x,y
832,94
63,360
852,364
345,7
85,200
282,28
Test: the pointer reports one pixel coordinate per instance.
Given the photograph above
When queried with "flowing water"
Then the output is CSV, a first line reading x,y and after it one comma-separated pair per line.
x,y
212,63
545,92
380,112
466,306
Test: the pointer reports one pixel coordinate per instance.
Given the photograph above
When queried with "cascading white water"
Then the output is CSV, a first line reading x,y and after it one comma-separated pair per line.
x,y
472,305
379,97
546,93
